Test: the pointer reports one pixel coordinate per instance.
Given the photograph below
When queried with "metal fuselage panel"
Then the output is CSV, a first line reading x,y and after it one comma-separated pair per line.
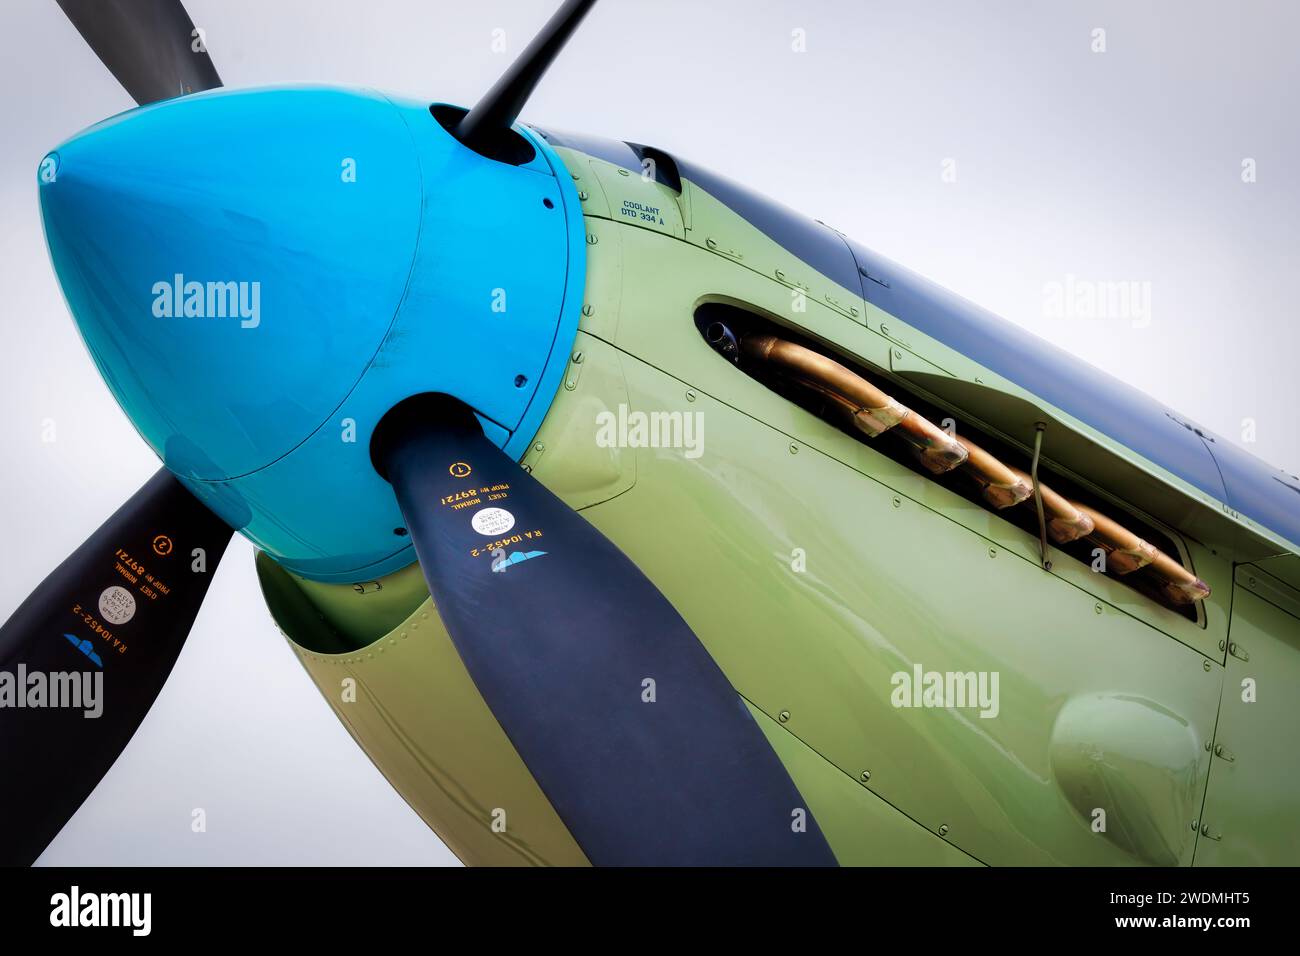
x,y
1254,791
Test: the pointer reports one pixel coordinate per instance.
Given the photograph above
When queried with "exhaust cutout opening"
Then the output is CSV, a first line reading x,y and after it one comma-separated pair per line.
x,y
941,444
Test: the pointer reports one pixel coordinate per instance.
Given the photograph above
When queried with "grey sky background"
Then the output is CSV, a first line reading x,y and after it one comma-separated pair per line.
x,y
1109,167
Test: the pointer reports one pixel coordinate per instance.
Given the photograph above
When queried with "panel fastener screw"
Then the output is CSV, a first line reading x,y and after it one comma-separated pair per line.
x,y
582,196
943,830
783,716
794,449
1097,608
591,239
1196,824
690,395
1206,665
1223,645
540,446
577,358
866,775
993,552
588,309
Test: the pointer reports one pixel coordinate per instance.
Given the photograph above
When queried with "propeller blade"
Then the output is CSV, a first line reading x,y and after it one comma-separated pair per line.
x,y
84,657
638,739
497,111
151,46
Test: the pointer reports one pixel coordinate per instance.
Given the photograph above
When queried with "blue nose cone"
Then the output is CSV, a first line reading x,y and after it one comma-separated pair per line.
x,y
260,275
233,261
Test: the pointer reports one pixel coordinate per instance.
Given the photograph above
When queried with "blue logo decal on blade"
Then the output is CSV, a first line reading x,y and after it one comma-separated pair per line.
x,y
86,648
515,557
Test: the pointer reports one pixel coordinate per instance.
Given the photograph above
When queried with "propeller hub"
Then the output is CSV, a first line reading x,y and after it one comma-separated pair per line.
x,y
260,275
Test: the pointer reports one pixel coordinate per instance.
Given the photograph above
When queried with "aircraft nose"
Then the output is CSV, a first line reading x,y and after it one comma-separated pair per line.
x,y
233,261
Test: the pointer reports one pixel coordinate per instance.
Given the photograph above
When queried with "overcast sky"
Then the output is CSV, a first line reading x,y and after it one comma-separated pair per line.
x,y
990,146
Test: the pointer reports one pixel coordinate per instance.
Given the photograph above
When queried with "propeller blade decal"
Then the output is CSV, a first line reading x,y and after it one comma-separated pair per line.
x,y
633,732
151,46
84,657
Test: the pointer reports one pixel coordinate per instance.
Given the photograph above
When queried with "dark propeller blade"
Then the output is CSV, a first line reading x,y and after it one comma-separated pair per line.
x,y
633,732
98,639
496,112
151,46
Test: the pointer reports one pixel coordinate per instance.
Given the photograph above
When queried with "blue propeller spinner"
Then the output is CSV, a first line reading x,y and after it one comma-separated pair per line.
x,y
260,275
